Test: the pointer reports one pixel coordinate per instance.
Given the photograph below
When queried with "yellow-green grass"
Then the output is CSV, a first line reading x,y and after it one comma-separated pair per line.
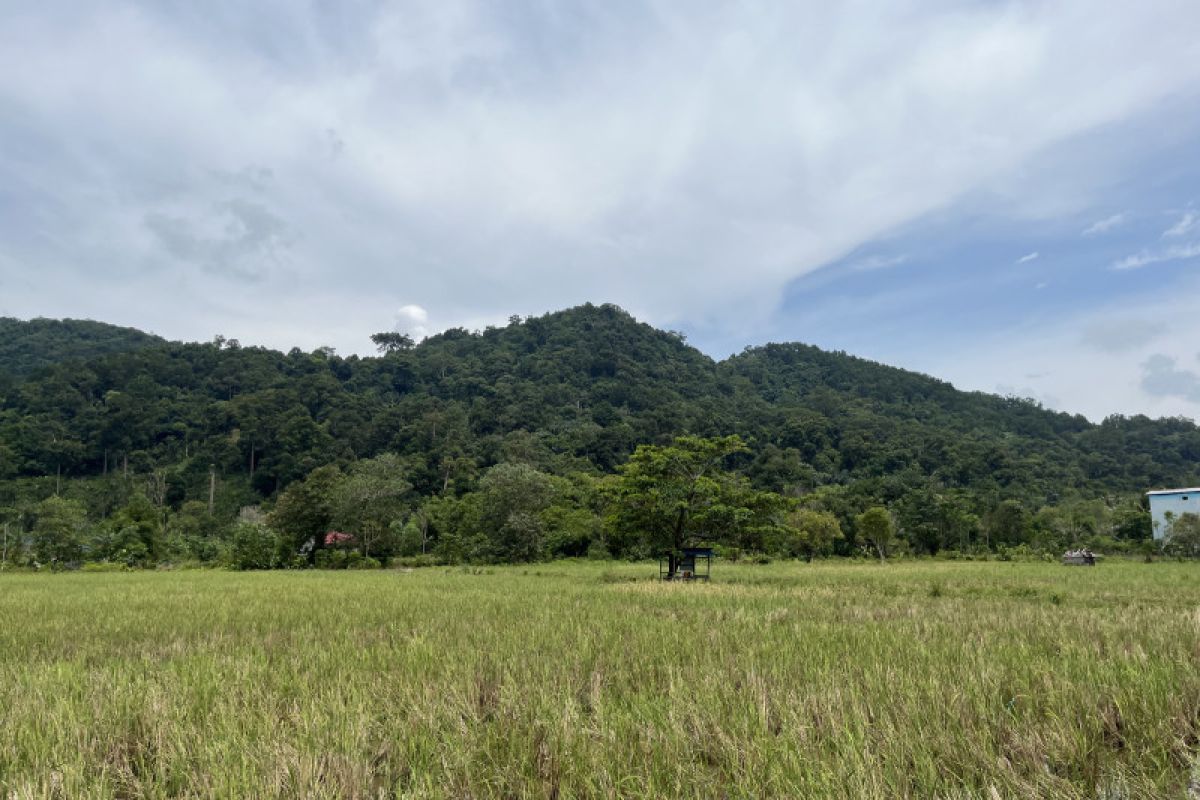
x,y
916,679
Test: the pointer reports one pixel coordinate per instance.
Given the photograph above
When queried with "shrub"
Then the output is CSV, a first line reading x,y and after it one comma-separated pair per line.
x,y
414,561
103,566
255,546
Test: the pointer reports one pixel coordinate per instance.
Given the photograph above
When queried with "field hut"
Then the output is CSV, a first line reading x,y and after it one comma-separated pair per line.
x,y
688,564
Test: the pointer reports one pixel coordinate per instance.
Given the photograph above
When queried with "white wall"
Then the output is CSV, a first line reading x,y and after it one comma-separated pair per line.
x,y
1177,503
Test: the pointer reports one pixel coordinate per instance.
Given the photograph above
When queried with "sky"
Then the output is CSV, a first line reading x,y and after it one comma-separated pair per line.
x,y
1005,195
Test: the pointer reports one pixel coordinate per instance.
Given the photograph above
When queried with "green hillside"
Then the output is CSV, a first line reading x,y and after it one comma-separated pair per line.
x,y
568,394
26,346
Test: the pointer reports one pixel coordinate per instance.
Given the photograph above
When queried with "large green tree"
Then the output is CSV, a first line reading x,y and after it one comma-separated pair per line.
x,y
369,499
513,500
59,531
811,533
671,496
305,510
876,528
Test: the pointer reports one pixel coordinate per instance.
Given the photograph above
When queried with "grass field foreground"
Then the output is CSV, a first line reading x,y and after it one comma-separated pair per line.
x,y
913,679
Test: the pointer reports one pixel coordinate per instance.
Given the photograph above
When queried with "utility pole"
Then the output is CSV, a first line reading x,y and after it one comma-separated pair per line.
x,y
4,549
212,487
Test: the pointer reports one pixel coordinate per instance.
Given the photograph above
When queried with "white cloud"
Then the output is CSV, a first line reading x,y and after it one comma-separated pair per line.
x,y
1093,362
1121,334
685,164
1104,225
1187,223
872,263
1025,259
1147,257
413,320
1161,377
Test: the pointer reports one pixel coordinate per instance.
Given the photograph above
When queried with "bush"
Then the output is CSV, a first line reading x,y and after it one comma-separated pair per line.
x,y
255,546
103,566
598,551
330,559
727,552
414,561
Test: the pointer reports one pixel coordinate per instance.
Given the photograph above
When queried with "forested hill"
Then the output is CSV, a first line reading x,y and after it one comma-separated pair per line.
x,y
568,392
28,346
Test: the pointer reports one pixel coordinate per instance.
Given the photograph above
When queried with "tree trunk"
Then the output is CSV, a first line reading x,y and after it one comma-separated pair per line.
x,y
677,534
212,487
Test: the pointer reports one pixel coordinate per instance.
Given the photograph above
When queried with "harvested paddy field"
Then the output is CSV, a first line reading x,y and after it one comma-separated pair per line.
x,y
842,680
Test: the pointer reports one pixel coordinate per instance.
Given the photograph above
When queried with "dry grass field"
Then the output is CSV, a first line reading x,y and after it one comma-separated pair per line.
x,y
913,679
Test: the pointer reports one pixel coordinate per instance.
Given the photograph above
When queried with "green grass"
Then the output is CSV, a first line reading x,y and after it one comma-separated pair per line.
x,y
915,679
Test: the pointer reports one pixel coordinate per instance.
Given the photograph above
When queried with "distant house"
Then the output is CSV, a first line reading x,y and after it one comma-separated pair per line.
x,y
1175,502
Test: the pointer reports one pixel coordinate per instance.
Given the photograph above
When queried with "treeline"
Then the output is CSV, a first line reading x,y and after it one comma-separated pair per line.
x,y
664,498
119,430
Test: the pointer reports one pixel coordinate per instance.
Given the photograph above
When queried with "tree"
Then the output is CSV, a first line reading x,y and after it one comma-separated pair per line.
x,y
369,499
813,533
671,496
304,511
1132,523
193,533
1007,523
132,534
932,520
392,341
1183,536
9,539
58,531
255,546
412,535
876,528
513,498
455,522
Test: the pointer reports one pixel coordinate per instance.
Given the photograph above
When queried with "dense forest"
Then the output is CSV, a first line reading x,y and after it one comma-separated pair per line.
x,y
554,435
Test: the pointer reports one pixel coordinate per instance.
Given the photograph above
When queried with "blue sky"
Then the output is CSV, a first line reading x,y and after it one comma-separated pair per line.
x,y
1001,194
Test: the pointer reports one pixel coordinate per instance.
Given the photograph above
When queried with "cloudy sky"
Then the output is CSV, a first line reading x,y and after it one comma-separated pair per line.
x,y
1002,194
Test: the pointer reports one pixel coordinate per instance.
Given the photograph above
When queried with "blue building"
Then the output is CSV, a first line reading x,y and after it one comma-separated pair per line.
x,y
1175,502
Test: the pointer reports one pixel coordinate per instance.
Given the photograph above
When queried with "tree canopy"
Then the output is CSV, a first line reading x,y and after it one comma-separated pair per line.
x,y
595,403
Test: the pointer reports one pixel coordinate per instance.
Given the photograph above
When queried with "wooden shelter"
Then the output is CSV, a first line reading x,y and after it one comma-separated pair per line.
x,y
688,564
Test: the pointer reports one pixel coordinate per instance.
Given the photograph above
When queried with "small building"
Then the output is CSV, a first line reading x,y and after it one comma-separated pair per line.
x,y
688,564
1175,502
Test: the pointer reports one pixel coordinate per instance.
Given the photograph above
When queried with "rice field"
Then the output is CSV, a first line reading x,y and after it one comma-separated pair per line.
x,y
564,680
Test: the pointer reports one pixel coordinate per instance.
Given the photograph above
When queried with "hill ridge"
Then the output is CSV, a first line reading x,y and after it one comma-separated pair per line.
x,y
575,389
